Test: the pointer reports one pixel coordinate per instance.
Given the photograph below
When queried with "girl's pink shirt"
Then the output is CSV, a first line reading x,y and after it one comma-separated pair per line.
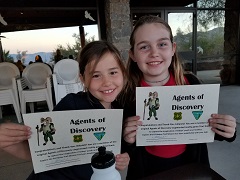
x,y
165,151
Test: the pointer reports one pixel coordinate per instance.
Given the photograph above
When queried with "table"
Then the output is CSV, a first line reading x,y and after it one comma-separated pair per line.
x,y
187,172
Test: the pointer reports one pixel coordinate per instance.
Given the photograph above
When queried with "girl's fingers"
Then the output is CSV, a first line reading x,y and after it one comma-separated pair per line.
x,y
11,133
223,116
122,161
130,126
16,133
131,137
224,125
224,122
222,133
129,129
132,121
129,134
223,130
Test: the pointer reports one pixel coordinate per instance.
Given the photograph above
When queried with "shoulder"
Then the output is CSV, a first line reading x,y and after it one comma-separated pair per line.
x,y
192,78
116,105
79,101
72,101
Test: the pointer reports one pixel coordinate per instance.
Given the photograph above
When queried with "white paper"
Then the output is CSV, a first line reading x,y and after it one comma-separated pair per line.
x,y
182,116
77,137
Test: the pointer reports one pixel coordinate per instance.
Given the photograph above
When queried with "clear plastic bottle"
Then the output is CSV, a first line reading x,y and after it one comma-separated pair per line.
x,y
103,164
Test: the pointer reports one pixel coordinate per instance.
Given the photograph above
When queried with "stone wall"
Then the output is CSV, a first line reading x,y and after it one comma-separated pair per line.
x,y
231,38
118,24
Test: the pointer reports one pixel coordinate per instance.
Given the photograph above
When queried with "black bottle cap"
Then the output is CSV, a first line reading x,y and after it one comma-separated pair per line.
x,y
102,159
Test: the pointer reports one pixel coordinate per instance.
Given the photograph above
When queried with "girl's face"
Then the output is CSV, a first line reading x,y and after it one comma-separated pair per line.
x,y
153,51
107,80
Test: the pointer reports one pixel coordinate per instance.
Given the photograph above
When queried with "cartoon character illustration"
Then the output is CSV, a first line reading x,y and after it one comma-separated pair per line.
x,y
47,127
153,103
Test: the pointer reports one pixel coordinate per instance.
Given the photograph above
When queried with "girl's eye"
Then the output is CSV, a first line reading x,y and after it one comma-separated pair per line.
x,y
95,76
113,72
144,47
162,44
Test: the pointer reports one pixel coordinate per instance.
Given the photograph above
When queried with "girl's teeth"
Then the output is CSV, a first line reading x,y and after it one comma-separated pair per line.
x,y
109,91
154,63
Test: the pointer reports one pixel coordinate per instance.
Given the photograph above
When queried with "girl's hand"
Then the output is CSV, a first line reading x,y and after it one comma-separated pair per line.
x,y
12,133
129,129
224,125
122,161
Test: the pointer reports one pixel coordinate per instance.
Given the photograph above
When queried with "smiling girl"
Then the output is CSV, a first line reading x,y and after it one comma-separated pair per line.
x,y
104,76
153,62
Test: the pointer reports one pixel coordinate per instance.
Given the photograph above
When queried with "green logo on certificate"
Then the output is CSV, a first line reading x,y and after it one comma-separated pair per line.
x,y
197,114
77,138
99,135
177,116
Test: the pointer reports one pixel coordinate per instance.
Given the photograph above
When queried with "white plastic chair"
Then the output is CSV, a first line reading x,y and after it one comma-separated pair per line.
x,y
35,86
8,88
66,78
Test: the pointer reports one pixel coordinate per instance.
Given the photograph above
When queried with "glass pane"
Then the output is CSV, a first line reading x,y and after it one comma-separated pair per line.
x,y
182,29
210,45
136,16
181,24
210,18
211,3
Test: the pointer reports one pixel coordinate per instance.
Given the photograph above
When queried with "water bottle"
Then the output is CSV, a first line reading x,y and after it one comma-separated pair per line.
x,y
103,165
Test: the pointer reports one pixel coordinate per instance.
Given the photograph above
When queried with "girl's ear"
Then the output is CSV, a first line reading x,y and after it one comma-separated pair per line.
x,y
130,53
174,46
81,78
83,82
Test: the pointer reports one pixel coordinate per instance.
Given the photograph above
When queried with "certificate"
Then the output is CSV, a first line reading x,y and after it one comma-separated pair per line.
x,y
176,114
66,138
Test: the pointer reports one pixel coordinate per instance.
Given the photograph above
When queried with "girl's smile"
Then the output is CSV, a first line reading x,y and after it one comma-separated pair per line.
x,y
154,63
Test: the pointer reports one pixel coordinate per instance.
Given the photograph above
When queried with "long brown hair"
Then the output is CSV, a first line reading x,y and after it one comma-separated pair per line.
x,y
134,72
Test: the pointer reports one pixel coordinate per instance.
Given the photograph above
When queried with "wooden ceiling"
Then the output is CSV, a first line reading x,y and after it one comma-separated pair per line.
x,y
41,14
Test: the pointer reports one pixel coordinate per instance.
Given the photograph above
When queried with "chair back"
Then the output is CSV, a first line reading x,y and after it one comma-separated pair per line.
x,y
67,71
7,72
66,78
36,75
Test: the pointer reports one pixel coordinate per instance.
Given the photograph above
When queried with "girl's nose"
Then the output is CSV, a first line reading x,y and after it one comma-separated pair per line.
x,y
154,52
106,81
